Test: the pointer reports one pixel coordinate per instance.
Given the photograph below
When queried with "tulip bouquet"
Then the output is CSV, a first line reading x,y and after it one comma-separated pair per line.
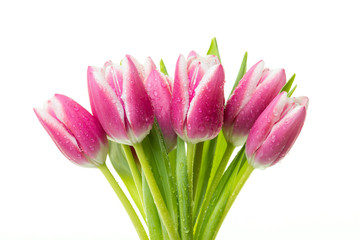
x,y
170,140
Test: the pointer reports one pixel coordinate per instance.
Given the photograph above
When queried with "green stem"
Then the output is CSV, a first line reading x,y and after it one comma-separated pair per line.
x,y
134,169
190,155
241,179
204,175
152,216
183,190
212,186
155,191
221,168
127,205
197,165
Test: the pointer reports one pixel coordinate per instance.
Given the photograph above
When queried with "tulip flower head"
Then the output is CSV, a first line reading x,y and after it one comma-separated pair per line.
x,y
119,100
159,89
255,91
77,133
276,130
197,103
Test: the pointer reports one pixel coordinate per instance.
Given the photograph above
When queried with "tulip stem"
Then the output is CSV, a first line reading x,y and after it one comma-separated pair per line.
x,y
155,191
203,175
183,191
221,168
241,179
125,202
197,165
134,170
190,156
212,186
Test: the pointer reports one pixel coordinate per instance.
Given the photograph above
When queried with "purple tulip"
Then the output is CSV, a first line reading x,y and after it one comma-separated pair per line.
x,y
276,130
197,104
77,134
255,91
119,100
159,89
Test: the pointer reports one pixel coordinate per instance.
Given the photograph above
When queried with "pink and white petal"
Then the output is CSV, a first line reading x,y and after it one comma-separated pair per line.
x,y
302,100
138,66
275,77
170,82
180,97
106,106
265,122
195,75
139,112
113,76
205,116
63,139
261,98
197,67
281,138
241,96
149,66
192,54
212,60
85,127
160,95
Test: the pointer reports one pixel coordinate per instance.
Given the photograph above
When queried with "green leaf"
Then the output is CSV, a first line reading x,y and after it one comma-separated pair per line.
x,y
165,178
119,162
287,86
163,68
219,198
213,49
241,73
219,153
292,91
243,174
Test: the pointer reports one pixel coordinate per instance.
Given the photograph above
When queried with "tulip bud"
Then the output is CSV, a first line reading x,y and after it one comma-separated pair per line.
x,y
255,91
77,134
276,130
119,100
159,89
197,104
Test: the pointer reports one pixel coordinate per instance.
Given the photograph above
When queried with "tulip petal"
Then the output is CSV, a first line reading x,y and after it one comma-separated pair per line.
x,y
137,104
205,116
149,66
180,99
265,92
113,76
264,123
140,68
82,125
159,92
281,138
240,97
106,106
197,66
63,139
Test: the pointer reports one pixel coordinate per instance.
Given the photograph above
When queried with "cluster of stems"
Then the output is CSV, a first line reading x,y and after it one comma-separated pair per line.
x,y
184,194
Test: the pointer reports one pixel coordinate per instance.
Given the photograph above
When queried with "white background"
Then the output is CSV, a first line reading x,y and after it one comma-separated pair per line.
x,y
46,47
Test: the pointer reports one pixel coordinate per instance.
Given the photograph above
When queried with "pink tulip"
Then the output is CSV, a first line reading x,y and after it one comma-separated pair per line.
x,y
276,130
119,100
159,90
77,134
255,91
197,103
